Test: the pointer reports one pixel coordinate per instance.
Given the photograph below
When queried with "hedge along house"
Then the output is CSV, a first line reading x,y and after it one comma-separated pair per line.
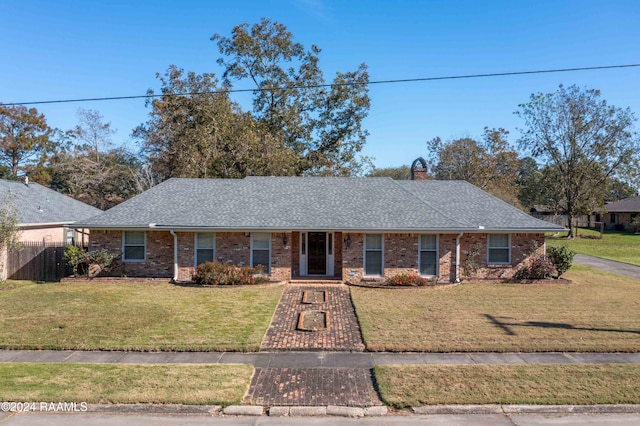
x,y
319,227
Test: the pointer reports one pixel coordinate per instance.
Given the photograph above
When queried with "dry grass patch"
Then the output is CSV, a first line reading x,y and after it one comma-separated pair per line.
x,y
597,312
139,316
203,384
415,385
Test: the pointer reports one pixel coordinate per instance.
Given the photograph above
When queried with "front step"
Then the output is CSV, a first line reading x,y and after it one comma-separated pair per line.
x,y
315,282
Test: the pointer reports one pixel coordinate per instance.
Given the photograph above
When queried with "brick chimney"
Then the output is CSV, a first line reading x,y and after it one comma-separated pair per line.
x,y
419,169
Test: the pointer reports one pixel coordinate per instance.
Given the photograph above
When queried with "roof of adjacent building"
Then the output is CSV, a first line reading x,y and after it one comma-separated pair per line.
x,y
36,204
628,205
317,203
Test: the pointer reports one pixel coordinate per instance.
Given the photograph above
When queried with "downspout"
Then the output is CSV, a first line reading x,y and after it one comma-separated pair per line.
x,y
458,256
175,255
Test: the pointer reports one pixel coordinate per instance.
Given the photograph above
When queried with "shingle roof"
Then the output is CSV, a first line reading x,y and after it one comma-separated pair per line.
x,y
37,204
317,203
628,205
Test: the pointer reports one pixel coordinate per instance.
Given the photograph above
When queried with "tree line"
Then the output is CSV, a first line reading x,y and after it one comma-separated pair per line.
x,y
576,151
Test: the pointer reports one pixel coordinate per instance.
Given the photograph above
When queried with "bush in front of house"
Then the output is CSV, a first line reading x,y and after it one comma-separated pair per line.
x,y
74,259
89,263
405,279
562,258
539,268
216,273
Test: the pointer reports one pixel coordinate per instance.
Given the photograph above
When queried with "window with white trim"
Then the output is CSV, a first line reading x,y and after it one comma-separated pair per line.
x,y
205,247
261,250
428,260
498,249
134,246
373,255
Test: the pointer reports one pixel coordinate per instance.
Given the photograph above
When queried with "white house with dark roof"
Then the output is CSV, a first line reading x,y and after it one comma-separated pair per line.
x,y
319,227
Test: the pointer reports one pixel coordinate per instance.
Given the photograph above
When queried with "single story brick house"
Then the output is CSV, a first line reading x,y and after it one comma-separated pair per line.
x,y
322,227
620,214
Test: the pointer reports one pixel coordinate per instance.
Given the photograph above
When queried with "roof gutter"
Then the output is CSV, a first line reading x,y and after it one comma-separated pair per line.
x,y
458,256
477,230
175,254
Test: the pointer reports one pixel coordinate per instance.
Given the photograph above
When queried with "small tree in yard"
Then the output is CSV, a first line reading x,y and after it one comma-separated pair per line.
x,y
562,258
9,231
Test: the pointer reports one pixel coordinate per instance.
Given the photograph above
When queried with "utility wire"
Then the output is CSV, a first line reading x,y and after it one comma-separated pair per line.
x,y
313,86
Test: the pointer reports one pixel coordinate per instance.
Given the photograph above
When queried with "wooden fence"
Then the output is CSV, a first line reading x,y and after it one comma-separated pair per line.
x,y
37,261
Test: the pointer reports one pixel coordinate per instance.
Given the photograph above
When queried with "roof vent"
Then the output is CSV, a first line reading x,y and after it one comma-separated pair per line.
x,y
26,180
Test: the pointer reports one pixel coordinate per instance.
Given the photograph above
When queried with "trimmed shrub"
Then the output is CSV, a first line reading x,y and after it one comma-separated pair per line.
x,y
539,268
562,258
405,279
216,273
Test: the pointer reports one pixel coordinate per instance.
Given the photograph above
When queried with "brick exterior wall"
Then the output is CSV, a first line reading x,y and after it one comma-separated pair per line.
x,y
159,254
400,254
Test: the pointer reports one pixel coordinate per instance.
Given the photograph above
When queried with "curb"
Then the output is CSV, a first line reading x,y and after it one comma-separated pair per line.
x,y
528,409
356,412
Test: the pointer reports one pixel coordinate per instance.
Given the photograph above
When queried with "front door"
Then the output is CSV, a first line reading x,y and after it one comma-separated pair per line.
x,y
317,260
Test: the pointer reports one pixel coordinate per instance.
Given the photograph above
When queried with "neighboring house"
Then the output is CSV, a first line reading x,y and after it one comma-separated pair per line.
x,y
548,214
44,215
621,213
321,227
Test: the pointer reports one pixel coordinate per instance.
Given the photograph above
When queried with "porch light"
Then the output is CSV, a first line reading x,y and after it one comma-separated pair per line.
x,y
284,239
347,241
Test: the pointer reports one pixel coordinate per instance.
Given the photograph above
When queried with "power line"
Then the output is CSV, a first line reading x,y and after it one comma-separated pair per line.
x,y
404,80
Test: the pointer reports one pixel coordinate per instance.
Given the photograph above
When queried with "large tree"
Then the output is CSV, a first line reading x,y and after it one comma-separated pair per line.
x,y
91,171
195,130
321,124
490,164
24,138
583,141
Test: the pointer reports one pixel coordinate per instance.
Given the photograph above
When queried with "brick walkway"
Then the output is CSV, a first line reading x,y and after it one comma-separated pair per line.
x,y
312,386
343,333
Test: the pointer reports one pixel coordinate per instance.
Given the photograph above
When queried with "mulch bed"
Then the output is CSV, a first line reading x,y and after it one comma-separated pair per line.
x,y
378,284
137,280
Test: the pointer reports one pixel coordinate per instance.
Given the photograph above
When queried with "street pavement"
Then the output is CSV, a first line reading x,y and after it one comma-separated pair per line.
x,y
104,419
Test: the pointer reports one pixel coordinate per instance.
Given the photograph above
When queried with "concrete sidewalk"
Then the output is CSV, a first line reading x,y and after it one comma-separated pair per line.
x,y
316,359
626,269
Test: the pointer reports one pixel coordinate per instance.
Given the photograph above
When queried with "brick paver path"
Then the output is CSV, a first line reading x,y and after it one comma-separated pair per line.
x,y
312,386
343,333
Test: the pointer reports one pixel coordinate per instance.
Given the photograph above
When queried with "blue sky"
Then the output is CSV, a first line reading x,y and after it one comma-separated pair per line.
x,y
78,49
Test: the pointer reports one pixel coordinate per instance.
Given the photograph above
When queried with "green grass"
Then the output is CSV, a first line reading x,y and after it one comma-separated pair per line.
x,y
140,316
415,385
205,384
620,246
596,312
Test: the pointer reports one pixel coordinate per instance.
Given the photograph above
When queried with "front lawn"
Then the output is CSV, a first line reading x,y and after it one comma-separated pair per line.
x,y
414,385
136,316
597,312
619,246
204,384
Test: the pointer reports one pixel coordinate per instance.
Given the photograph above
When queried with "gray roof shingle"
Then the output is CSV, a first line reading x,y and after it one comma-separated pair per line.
x,y
37,204
628,205
317,203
